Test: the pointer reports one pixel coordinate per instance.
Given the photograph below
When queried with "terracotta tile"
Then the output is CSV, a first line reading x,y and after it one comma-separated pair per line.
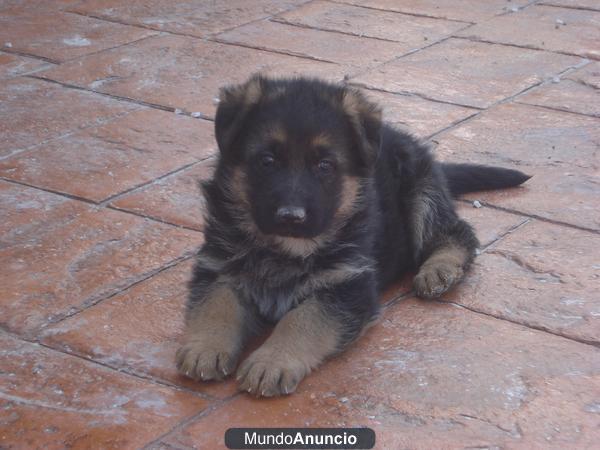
x,y
466,10
25,6
435,376
15,65
584,4
34,111
542,275
51,400
557,148
414,32
179,72
588,75
465,72
175,199
567,95
557,29
416,115
138,331
61,255
103,161
489,223
322,45
197,18
61,36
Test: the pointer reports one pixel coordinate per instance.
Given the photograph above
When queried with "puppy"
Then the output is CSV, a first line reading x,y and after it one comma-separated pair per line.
x,y
314,208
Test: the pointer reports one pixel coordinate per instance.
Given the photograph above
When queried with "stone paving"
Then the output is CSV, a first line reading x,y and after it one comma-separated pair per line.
x,y
106,111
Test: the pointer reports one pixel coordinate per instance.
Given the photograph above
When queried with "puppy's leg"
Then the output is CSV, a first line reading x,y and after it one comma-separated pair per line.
x,y
215,330
447,262
303,338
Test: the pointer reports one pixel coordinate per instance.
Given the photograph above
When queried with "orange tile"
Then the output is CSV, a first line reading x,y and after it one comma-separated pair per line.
x,y
176,199
51,400
61,255
465,72
138,330
555,147
434,376
180,16
34,111
555,29
180,72
61,36
103,161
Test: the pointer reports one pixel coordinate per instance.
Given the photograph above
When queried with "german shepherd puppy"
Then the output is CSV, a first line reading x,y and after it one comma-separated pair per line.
x,y
314,208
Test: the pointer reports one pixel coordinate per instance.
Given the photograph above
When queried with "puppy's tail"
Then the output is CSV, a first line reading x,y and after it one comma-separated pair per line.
x,y
463,178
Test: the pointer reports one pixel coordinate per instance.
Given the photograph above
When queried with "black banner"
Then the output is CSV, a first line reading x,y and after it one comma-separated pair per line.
x,y
300,438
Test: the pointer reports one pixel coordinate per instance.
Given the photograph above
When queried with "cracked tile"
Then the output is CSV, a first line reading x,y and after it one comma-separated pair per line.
x,y
542,275
15,65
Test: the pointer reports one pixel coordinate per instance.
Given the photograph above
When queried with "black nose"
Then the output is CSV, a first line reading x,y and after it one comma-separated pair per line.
x,y
291,214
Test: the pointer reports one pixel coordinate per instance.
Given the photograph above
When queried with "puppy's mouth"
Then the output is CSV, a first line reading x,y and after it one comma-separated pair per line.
x,y
293,232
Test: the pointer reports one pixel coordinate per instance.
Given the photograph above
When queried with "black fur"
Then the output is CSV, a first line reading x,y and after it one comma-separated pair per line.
x,y
402,213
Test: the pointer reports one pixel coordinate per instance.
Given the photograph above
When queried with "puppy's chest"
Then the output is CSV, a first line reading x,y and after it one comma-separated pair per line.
x,y
272,284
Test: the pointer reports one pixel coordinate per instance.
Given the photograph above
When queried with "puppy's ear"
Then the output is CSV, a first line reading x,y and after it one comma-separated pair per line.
x,y
366,121
234,104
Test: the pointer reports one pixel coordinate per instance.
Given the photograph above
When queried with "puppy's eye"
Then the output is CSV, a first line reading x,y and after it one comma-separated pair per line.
x,y
326,166
267,160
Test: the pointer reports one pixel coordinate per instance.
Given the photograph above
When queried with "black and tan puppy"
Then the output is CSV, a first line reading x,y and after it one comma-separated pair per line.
x,y
315,207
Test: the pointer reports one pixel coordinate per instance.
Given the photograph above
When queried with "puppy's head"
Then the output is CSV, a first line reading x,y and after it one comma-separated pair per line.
x,y
298,149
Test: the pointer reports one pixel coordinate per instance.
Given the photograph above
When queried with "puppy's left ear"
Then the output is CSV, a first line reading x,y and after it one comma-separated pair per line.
x,y
365,117
235,102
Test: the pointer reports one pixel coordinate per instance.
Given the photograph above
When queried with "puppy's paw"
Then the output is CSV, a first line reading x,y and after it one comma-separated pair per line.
x,y
269,373
201,361
433,280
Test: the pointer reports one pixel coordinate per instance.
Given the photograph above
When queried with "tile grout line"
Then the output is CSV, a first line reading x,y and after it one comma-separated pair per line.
x,y
218,40
97,123
563,110
510,98
284,21
135,375
542,329
113,96
526,47
198,416
577,8
153,181
29,55
401,12
540,218
410,94
101,298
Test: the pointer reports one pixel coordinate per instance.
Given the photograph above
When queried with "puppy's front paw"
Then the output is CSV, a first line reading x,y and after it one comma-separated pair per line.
x,y
269,373
433,280
201,361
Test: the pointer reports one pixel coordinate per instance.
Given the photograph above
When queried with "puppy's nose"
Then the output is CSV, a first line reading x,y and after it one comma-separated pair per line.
x,y
291,214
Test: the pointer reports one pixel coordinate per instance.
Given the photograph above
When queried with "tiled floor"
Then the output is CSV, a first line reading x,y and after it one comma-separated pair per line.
x,y
100,151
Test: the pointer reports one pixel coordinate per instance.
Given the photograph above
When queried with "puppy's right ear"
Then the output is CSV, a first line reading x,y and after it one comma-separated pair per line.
x,y
235,102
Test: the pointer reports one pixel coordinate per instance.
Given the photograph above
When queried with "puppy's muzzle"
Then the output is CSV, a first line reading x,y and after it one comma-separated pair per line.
x,y
291,215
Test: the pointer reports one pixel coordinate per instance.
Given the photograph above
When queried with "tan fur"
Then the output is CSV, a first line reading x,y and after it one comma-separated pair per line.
x,y
213,336
302,339
442,270
349,197
321,140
